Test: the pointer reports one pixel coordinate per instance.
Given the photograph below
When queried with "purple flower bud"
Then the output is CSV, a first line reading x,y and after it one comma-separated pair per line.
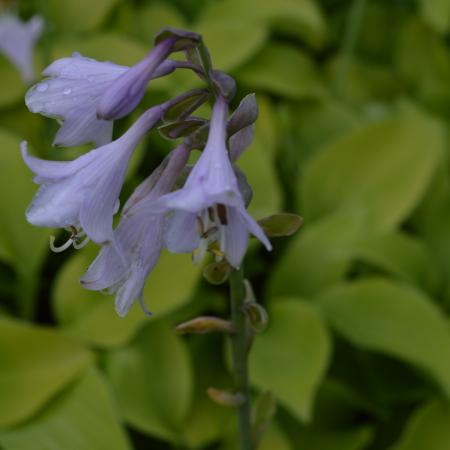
x,y
139,237
209,208
126,92
17,41
83,193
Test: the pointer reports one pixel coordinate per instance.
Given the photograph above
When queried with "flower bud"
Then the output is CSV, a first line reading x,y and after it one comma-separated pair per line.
x,y
225,398
205,324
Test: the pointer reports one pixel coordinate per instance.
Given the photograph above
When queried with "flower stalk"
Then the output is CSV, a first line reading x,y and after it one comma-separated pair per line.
x,y
239,345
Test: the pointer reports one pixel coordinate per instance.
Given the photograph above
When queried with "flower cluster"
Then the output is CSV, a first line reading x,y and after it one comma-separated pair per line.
x,y
207,214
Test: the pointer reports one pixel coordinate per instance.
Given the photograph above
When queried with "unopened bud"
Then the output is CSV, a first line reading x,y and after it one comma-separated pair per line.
x,y
205,324
225,398
257,316
280,225
217,272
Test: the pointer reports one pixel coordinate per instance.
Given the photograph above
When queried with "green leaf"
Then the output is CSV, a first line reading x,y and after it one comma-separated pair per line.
x,y
319,255
152,379
402,255
12,88
282,70
79,15
397,320
436,13
36,363
247,40
381,166
427,428
110,46
291,356
91,317
83,417
23,244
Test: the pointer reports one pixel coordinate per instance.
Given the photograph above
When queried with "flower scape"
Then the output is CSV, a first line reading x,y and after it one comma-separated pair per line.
x,y
206,215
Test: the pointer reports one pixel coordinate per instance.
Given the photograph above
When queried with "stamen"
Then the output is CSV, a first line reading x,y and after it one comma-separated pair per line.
x,y
222,213
77,245
62,247
208,233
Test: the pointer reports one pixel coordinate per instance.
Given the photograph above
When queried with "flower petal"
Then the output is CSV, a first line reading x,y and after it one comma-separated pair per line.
x,y
180,234
236,238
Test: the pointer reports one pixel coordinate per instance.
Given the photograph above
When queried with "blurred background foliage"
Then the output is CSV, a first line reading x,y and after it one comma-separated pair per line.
x,y
353,135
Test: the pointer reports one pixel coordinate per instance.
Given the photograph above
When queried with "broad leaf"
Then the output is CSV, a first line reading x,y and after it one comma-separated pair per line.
x,y
291,356
36,363
427,428
381,166
397,320
152,379
83,417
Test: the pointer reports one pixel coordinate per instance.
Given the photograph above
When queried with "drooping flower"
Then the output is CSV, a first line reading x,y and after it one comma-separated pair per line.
x,y
83,194
139,238
124,94
209,209
71,93
17,41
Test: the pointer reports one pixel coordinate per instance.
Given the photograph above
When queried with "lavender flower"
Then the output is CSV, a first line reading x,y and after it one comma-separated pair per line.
x,y
209,208
139,236
83,194
71,94
17,41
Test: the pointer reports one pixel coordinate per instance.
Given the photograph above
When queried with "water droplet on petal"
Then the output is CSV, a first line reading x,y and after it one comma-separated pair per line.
x,y
42,87
67,91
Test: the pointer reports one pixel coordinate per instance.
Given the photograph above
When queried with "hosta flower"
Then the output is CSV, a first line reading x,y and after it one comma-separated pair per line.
x,y
71,93
209,211
139,238
83,194
17,41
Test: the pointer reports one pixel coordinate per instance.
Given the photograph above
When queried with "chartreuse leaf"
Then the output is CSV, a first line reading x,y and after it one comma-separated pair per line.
x,y
319,255
247,39
23,245
12,88
379,315
79,15
436,13
291,356
90,316
402,255
111,46
380,166
35,364
82,417
282,70
299,19
152,378
427,428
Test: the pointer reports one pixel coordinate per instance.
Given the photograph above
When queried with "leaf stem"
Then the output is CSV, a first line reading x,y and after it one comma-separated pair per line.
x,y
347,51
240,355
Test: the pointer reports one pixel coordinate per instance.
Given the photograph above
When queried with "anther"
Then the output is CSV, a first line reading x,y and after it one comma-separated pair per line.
x,y
222,213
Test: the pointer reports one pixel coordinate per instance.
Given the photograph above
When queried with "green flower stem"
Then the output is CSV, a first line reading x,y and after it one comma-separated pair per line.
x,y
240,356
350,39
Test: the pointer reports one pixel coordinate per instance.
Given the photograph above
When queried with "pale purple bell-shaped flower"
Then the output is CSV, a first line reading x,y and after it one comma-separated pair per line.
x,y
17,42
71,91
82,195
139,238
209,208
